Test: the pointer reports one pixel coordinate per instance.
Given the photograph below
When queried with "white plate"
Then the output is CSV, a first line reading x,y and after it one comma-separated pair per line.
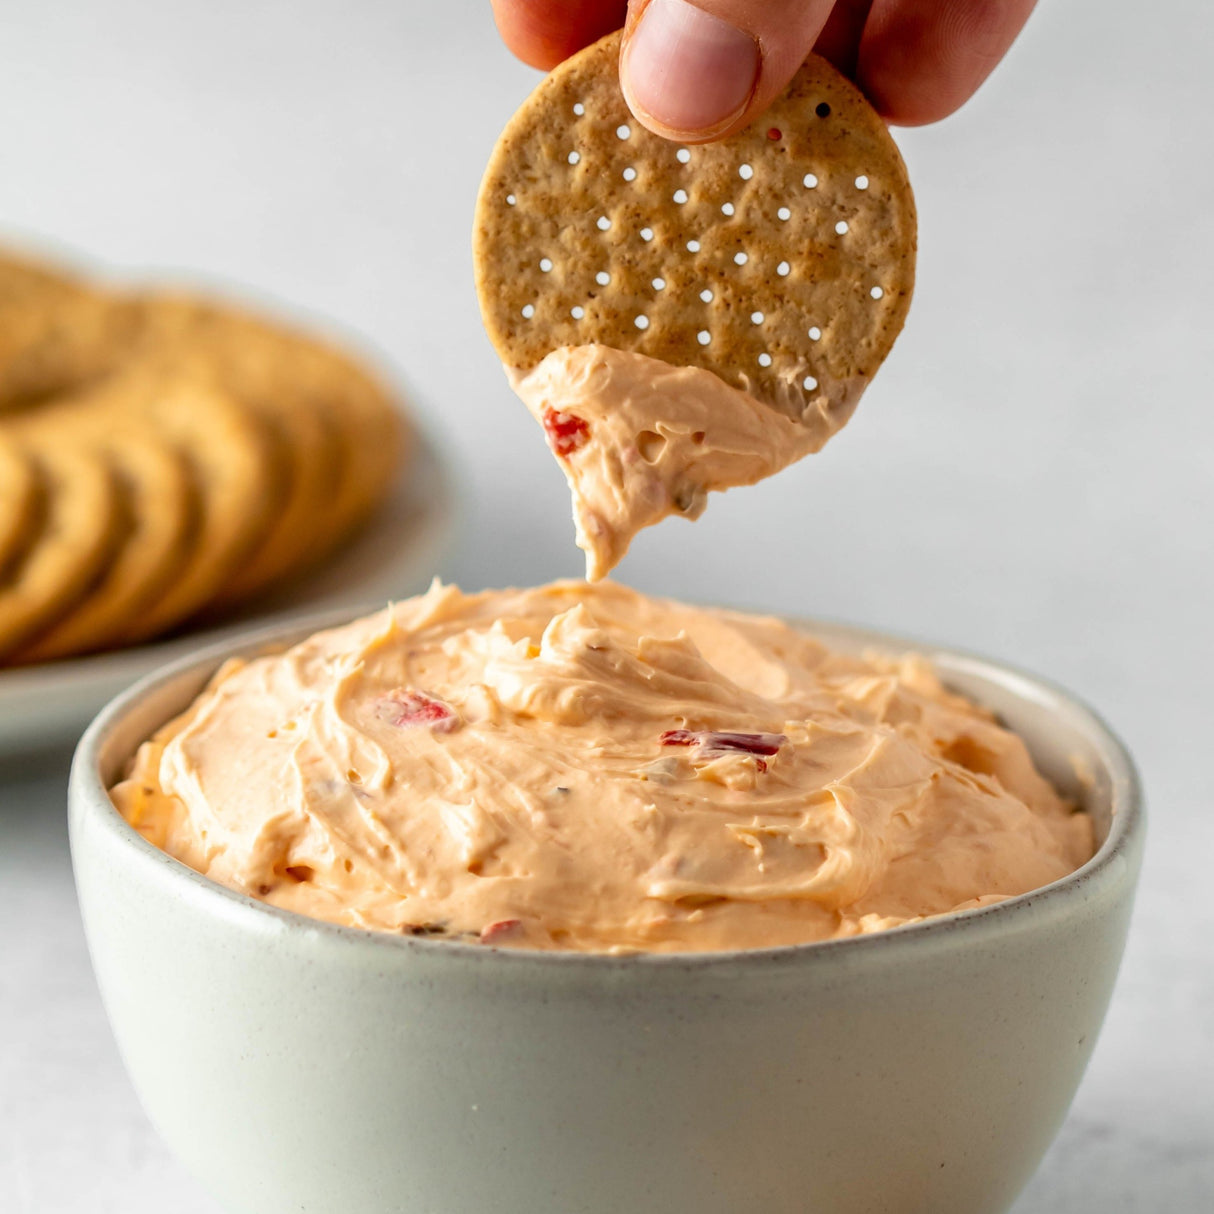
x,y
394,556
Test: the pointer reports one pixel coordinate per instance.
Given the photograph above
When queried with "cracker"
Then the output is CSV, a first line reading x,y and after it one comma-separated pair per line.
x,y
78,530
56,334
781,258
18,501
337,435
156,499
238,452
228,456
252,362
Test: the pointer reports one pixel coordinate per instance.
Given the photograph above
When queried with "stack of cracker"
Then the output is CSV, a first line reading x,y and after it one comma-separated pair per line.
x,y
164,458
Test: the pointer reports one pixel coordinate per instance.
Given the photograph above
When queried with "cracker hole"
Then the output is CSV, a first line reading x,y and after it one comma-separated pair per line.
x,y
783,269
647,234
841,226
809,181
577,312
602,223
815,333
623,131
641,322
528,311
773,133
510,200
745,172
545,264
693,246
784,213
876,292
659,284
630,174
680,196
703,337
650,444
861,182
727,208
740,259
809,383
683,155
764,359
578,108
698,438
706,295
574,157
757,318
602,278
822,109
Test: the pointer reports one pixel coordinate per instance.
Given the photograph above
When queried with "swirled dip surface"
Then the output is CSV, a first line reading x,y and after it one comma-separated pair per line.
x,y
639,439
583,767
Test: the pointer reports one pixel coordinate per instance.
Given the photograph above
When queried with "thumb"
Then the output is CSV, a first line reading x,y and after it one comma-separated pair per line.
x,y
696,71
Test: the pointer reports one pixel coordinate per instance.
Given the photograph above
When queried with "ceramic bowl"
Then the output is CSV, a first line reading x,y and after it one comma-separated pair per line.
x,y
295,1065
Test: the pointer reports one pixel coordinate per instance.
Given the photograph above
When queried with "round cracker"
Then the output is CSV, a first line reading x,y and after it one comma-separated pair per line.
x,y
18,501
286,444
341,437
254,363
56,335
79,527
228,456
157,507
781,258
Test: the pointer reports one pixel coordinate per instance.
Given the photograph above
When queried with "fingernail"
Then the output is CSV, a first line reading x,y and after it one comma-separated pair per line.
x,y
687,72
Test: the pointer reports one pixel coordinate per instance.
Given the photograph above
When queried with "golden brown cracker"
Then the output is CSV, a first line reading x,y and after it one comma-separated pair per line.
x,y
781,258
254,363
76,534
156,499
338,435
278,445
228,456
18,501
56,334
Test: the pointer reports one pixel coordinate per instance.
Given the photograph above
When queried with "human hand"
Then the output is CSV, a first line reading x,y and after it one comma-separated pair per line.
x,y
699,71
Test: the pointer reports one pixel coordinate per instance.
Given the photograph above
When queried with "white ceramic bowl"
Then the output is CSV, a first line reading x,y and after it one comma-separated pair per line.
x,y
294,1065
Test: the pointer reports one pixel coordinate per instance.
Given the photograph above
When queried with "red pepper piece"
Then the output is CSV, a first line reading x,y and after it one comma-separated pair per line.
x,y
715,742
502,929
566,431
409,708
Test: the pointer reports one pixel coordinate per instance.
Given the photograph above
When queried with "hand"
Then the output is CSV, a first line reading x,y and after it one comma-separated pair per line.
x,y
699,71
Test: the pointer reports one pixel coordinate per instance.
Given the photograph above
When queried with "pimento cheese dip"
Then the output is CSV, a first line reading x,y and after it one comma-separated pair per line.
x,y
583,767
639,439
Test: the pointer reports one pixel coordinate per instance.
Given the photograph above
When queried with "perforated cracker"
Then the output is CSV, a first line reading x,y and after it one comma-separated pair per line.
x,y
781,258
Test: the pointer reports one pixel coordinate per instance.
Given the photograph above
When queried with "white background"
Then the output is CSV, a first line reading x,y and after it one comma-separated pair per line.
x,y
1032,474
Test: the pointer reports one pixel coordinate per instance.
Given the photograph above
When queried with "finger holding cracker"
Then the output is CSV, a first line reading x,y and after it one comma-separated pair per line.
x,y
684,319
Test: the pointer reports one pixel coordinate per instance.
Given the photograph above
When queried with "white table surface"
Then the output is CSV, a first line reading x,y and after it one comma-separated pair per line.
x,y
1031,476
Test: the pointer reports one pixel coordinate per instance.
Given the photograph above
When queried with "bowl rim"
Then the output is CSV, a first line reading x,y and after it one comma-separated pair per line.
x,y
88,794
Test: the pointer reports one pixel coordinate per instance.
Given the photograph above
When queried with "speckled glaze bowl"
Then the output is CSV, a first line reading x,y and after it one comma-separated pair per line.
x,y
294,1065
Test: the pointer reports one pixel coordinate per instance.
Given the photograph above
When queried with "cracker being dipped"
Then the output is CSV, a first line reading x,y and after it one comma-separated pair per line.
x,y
684,319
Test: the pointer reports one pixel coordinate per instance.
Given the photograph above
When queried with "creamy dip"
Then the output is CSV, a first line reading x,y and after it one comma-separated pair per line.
x,y
639,439
583,767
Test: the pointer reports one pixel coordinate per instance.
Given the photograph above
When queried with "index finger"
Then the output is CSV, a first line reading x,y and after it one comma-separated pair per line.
x,y
544,33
